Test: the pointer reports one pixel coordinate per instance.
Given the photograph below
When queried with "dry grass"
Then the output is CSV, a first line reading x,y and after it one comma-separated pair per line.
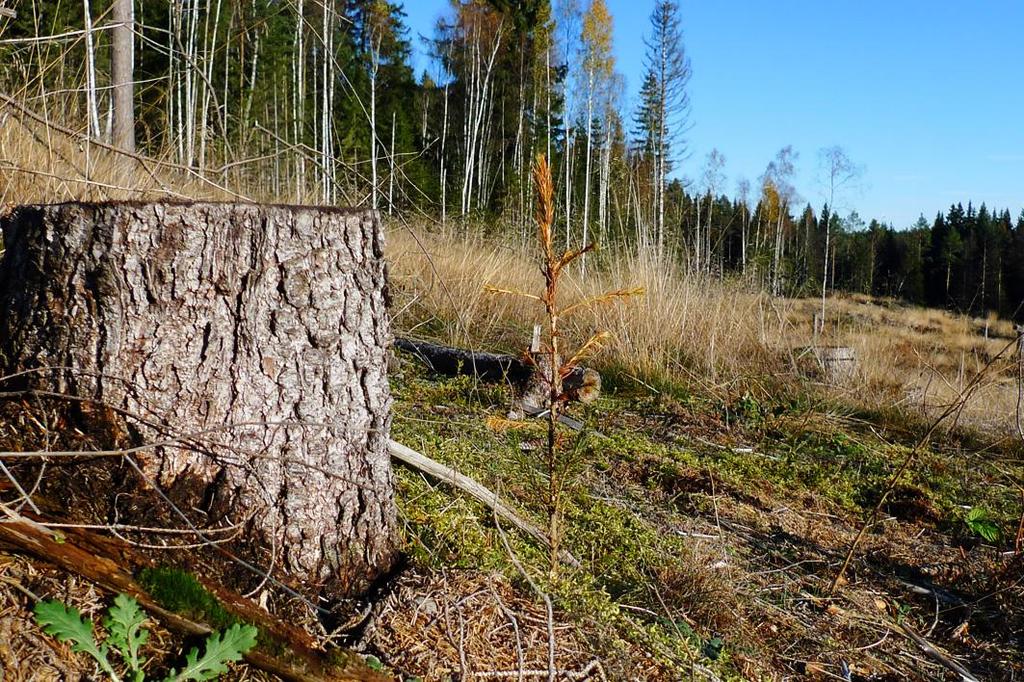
x,y
922,358
41,163
709,334
703,330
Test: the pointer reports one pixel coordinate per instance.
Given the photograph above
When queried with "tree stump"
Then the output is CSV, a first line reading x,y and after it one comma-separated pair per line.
x,y
205,315
838,363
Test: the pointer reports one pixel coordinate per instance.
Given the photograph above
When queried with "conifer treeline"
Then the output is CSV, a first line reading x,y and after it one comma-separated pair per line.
x,y
311,100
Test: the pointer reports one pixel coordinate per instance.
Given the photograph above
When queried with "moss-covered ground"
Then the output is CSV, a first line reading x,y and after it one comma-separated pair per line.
x,y
709,529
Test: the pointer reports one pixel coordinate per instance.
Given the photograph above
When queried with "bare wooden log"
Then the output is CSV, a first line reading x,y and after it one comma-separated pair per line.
x,y
475,490
109,564
204,314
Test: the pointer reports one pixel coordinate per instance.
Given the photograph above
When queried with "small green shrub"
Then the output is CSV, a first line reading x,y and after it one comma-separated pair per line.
x,y
126,635
978,521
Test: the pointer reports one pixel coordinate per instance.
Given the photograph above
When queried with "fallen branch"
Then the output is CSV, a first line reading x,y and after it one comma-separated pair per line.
x,y
930,649
496,368
475,490
100,560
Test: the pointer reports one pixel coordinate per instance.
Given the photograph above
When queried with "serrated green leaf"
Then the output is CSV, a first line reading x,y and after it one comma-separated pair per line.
x,y
220,649
67,625
979,523
989,531
124,623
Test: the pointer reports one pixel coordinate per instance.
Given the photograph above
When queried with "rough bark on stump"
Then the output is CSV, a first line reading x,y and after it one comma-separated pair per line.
x,y
203,315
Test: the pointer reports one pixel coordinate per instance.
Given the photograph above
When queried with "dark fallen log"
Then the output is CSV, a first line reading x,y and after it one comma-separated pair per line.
x,y
582,384
489,367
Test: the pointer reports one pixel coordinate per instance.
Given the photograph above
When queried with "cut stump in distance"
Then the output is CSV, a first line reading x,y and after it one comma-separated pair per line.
x,y
200,316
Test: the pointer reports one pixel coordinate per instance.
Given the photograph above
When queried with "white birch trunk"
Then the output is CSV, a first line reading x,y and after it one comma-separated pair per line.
x,y
586,175
391,177
92,103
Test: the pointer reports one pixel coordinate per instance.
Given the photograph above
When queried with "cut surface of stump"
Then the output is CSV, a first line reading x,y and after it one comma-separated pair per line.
x,y
260,327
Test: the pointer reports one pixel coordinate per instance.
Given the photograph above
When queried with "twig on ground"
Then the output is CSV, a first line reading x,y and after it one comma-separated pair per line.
x,y
937,655
479,492
911,457
541,593
520,657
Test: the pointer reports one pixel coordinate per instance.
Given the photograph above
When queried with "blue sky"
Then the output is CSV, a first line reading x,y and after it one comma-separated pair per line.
x,y
927,96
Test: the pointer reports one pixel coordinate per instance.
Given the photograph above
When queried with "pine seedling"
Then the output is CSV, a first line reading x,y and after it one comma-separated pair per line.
x,y
552,365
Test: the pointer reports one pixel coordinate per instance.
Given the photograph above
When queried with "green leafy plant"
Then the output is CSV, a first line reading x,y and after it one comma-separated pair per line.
x,y
124,623
126,635
981,525
221,648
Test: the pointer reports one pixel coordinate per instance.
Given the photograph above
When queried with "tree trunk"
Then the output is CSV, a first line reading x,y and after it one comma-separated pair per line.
x,y
121,73
586,172
203,316
92,103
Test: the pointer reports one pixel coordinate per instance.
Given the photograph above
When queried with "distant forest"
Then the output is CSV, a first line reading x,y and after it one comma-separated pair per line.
x,y
317,101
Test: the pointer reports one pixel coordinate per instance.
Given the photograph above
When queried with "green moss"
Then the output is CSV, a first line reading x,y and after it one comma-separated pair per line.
x,y
180,592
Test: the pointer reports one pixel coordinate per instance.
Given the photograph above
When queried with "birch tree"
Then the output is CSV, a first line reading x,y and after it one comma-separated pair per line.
x,y
743,198
92,104
778,180
568,20
598,65
836,171
475,37
377,25
711,181
612,125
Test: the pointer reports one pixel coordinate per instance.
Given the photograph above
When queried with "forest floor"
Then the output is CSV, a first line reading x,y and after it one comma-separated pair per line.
x,y
715,489
721,479
709,534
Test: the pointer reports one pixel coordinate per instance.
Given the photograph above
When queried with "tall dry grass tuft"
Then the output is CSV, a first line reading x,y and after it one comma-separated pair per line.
x,y
695,328
42,161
